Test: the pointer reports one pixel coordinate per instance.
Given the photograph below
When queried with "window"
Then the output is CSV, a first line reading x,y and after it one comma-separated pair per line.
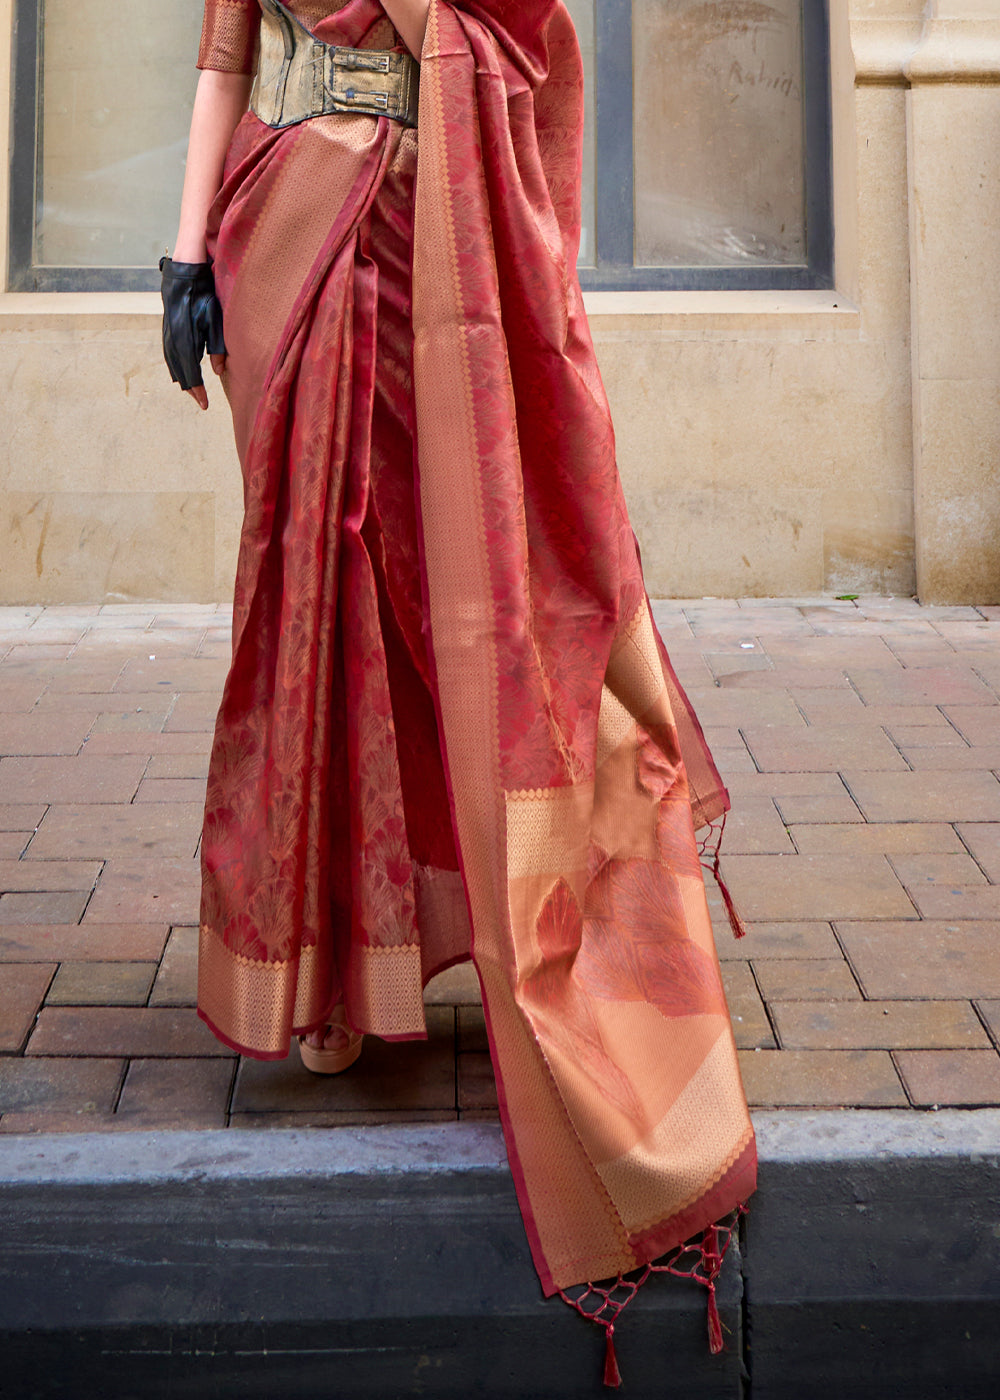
x,y
706,142
709,158
103,101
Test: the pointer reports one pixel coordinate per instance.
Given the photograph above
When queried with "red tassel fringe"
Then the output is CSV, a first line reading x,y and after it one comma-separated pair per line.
x,y
715,1344
612,1375
710,850
711,1259
604,1303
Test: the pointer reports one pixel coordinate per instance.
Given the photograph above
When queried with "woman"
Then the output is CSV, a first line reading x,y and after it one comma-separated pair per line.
x,y
450,728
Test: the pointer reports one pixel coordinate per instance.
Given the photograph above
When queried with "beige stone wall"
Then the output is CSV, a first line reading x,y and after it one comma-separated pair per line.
x,y
953,105
113,485
768,443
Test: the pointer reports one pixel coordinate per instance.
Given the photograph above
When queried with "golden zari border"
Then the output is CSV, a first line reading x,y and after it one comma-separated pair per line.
x,y
635,673
254,1003
388,991
689,1149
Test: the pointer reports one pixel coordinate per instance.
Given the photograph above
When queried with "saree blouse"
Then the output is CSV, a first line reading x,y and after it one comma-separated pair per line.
x,y
229,30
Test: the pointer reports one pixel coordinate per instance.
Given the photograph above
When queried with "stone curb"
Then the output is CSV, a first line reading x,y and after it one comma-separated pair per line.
x,y
392,1261
782,1137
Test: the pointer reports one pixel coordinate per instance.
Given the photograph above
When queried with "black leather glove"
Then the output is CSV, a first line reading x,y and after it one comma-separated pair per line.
x,y
192,319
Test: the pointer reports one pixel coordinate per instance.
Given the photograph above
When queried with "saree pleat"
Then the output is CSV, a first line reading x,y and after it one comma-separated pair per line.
x,y
450,728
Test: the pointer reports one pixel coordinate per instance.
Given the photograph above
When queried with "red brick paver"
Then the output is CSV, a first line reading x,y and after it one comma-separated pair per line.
x,y
751,1026
821,1079
990,1012
861,744
843,887
891,838
86,777
102,984
137,891
181,1093
22,992
118,829
121,1030
67,1085
805,979
878,1025
92,942
43,907
936,1077
177,979
927,958
477,1087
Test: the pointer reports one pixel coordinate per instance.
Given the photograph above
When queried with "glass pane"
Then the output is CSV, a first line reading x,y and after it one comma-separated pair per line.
x,y
582,12
719,149
117,84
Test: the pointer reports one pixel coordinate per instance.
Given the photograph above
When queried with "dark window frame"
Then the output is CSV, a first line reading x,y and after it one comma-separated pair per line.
x,y
613,269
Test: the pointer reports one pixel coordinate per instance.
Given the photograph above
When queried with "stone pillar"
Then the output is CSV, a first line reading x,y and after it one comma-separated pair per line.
x,y
953,118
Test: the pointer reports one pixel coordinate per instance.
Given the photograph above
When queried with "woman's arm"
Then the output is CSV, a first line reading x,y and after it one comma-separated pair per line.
x,y
410,19
220,101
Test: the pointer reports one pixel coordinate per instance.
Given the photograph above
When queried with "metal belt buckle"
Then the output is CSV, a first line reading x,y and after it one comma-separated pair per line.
x,y
361,80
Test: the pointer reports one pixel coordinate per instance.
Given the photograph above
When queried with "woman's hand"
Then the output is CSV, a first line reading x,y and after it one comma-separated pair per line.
x,y
192,323
199,393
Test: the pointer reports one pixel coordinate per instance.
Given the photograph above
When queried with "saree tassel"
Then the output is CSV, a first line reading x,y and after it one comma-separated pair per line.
x,y
714,1323
711,1261
700,1260
710,849
612,1375
737,925
603,1305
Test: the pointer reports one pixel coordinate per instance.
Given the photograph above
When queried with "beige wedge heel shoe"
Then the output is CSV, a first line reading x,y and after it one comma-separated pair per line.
x,y
336,1057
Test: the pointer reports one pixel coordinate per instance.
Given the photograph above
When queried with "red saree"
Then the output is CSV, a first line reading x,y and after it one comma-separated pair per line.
x,y
450,728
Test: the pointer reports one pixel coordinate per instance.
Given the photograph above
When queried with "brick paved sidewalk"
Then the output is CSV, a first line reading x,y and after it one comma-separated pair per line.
x,y
861,742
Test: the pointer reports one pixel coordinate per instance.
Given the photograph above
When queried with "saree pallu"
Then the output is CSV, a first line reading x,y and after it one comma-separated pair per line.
x,y
450,728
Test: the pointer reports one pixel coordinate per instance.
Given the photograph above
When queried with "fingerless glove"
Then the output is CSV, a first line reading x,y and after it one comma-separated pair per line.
x,y
192,319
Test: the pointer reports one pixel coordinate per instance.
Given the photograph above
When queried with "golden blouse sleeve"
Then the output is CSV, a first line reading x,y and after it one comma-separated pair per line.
x,y
229,35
